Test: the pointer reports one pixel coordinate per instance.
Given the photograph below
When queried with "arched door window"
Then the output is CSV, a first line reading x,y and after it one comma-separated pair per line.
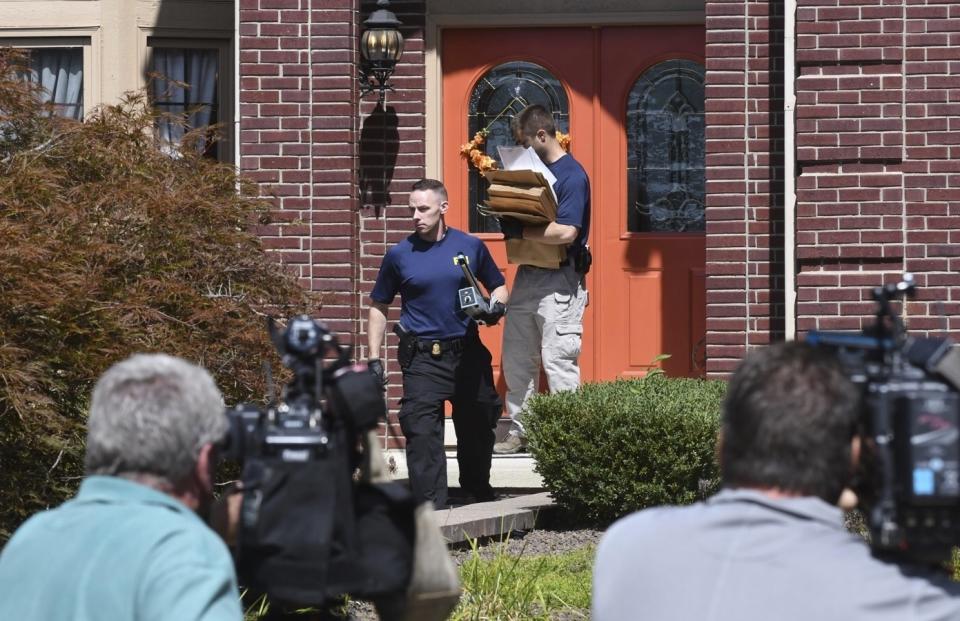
x,y
497,97
666,180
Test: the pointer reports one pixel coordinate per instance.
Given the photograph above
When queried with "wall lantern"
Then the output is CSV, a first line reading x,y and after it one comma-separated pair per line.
x,y
381,45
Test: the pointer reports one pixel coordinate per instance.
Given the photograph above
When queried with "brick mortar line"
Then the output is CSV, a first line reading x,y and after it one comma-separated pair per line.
x,y
903,146
746,169
310,142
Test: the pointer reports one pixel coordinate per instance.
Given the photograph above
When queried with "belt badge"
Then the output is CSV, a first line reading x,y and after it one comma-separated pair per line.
x,y
435,349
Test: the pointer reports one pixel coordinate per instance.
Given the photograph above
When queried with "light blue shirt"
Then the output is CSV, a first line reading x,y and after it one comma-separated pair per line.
x,y
118,551
743,556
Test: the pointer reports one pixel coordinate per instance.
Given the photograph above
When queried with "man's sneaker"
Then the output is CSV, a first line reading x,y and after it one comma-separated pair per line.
x,y
513,443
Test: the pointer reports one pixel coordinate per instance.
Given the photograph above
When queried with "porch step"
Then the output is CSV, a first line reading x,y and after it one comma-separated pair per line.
x,y
450,434
492,519
506,471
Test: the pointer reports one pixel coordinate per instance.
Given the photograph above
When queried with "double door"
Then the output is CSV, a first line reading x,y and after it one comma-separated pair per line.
x,y
631,100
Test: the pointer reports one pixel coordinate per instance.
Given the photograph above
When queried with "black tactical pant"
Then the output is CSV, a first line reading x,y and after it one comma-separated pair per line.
x,y
462,374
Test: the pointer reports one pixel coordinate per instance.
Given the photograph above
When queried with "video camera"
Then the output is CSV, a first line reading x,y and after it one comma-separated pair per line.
x,y
297,429
910,487
308,532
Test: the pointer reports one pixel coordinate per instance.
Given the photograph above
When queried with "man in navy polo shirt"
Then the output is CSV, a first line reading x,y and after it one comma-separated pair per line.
x,y
545,322
440,355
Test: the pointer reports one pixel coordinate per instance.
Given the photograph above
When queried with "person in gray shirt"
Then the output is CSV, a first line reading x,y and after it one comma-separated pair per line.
x,y
771,544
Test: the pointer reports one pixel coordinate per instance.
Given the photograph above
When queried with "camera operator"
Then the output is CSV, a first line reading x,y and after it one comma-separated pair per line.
x,y
771,544
133,544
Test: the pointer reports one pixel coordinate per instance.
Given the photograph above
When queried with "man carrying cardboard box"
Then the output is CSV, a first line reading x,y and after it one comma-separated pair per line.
x,y
545,314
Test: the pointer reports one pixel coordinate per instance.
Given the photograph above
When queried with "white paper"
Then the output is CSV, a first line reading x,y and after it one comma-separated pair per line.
x,y
520,158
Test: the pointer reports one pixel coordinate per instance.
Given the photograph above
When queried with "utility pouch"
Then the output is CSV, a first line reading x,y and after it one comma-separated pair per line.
x,y
407,347
583,260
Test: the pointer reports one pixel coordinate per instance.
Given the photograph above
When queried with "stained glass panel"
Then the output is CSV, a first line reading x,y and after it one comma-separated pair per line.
x,y
497,97
666,180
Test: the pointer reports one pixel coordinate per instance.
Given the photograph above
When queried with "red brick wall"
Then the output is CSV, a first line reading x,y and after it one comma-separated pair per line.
x,y
877,146
298,129
744,179
877,142
308,139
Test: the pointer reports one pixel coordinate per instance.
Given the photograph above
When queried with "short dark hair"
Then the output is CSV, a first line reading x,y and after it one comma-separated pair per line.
x,y
431,184
532,119
788,419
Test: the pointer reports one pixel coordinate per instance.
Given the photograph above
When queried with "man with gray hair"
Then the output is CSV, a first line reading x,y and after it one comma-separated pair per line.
x,y
132,544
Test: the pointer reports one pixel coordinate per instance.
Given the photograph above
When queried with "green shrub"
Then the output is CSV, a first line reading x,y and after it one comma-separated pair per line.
x,y
612,448
110,246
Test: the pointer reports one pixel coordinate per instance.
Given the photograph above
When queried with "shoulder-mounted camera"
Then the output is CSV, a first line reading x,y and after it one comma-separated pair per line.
x,y
910,487
309,532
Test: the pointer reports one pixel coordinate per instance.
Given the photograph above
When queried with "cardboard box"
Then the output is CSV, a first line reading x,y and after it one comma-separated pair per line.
x,y
526,196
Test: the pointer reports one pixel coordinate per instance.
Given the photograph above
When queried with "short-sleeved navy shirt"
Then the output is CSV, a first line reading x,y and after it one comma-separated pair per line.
x,y
428,281
573,198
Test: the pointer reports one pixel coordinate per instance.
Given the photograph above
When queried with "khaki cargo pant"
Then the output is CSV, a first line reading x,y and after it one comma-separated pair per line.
x,y
544,323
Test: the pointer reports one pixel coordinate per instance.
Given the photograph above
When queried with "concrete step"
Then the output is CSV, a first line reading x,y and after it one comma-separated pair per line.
x,y
506,471
450,434
493,519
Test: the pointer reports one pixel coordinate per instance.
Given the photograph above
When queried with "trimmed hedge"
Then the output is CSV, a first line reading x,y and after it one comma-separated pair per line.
x,y
609,449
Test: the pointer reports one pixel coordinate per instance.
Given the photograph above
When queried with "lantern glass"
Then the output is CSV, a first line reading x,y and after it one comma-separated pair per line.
x,y
381,44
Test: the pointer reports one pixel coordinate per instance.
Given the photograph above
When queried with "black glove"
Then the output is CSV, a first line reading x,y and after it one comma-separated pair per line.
x,y
511,228
375,366
492,316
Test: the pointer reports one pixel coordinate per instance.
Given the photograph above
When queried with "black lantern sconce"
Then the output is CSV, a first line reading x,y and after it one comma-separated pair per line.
x,y
381,45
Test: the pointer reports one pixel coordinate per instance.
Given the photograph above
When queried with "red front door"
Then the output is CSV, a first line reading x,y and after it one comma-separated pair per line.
x,y
630,98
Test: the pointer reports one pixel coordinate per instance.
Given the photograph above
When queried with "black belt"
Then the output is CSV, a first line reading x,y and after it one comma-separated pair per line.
x,y
437,346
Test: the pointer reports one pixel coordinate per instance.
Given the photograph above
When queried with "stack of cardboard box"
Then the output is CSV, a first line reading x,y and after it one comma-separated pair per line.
x,y
526,196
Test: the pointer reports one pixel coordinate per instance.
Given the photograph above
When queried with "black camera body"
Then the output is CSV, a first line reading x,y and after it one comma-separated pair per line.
x,y
909,485
298,429
309,532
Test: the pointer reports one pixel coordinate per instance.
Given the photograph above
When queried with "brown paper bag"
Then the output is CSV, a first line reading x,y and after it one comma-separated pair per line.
x,y
527,252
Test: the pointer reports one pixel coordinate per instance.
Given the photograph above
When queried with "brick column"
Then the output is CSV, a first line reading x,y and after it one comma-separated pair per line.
x,y
298,135
850,157
931,168
337,166
744,178
392,158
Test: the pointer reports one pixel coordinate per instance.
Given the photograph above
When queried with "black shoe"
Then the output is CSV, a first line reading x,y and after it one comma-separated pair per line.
x,y
489,496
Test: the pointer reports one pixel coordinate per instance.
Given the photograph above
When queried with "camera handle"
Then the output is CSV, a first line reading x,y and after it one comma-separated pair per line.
x,y
304,354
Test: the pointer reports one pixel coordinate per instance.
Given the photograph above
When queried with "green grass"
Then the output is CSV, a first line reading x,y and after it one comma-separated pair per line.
x,y
260,607
511,587
520,587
